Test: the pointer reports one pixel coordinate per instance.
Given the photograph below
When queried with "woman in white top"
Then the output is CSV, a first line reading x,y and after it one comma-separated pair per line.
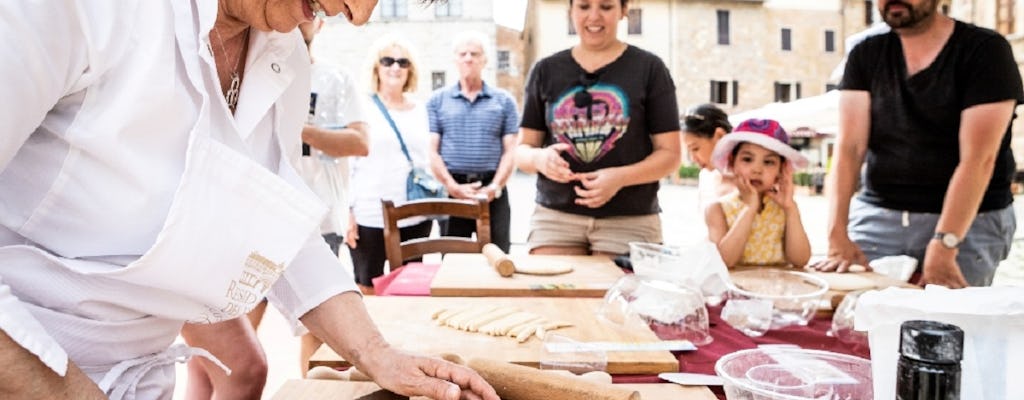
x,y
382,174
147,179
703,125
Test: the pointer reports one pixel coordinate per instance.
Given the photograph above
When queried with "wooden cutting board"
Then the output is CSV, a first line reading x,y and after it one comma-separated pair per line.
x,y
406,324
469,275
309,389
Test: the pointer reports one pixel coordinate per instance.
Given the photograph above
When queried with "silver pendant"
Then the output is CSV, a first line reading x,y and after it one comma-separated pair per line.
x,y
232,95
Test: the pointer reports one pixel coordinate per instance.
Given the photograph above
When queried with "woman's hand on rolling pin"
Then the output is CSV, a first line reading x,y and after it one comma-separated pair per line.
x,y
549,162
414,375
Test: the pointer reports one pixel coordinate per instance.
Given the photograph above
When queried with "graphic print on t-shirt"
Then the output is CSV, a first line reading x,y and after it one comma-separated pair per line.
x,y
592,129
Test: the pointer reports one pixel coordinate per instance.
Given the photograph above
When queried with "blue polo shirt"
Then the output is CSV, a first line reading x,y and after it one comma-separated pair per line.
x,y
471,132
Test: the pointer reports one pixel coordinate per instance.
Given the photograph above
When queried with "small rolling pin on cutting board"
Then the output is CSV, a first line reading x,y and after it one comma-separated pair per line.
x,y
499,260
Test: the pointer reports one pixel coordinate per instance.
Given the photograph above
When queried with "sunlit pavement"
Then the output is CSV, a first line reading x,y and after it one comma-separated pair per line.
x,y
681,223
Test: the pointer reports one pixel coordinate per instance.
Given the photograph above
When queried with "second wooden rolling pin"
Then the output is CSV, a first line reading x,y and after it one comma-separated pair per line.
x,y
517,382
499,260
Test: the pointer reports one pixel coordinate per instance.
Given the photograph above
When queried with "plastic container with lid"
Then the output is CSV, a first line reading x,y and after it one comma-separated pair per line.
x,y
794,374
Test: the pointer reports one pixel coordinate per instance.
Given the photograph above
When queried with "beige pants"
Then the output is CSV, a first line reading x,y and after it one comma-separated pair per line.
x,y
609,234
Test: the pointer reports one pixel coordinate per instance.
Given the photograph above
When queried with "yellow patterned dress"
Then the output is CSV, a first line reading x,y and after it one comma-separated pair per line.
x,y
764,246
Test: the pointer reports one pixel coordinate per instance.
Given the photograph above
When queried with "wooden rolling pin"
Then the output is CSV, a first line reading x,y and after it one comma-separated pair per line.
x,y
517,382
499,260
327,373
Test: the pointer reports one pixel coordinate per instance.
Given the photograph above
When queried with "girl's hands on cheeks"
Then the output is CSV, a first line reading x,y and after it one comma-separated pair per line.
x,y
783,192
748,193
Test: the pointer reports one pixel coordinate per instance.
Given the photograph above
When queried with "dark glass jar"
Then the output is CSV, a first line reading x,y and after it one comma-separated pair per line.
x,y
929,365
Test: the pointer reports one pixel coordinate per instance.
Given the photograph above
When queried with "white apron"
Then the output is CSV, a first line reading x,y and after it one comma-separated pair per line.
x,y
232,228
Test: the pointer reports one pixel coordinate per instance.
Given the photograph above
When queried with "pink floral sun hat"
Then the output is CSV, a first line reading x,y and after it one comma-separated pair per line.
x,y
762,132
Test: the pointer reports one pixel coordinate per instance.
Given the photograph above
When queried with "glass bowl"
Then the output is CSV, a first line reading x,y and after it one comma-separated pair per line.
x,y
794,295
794,374
672,311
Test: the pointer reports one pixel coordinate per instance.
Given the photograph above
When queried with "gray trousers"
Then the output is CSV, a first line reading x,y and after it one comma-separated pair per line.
x,y
884,232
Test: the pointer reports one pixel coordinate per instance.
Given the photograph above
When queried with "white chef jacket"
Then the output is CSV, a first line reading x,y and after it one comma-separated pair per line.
x,y
100,99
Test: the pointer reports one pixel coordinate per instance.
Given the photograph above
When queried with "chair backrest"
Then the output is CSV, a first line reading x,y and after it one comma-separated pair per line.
x,y
398,251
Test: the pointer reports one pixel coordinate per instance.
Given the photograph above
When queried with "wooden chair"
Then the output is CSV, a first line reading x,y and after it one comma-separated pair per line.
x,y
398,251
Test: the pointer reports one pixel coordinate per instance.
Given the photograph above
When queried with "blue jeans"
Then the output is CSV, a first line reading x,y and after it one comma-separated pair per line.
x,y
884,232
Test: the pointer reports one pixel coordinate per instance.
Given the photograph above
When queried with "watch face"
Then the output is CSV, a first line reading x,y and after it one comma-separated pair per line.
x,y
950,240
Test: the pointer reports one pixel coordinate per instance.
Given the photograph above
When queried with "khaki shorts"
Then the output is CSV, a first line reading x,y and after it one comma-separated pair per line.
x,y
608,234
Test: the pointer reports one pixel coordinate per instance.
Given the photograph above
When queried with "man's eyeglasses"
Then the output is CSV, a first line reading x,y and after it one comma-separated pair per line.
x,y
388,61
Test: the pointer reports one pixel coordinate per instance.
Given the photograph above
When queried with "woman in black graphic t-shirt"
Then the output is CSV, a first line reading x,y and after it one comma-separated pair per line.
x,y
600,125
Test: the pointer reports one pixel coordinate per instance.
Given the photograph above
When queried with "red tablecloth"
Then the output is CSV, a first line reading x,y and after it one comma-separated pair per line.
x,y
414,279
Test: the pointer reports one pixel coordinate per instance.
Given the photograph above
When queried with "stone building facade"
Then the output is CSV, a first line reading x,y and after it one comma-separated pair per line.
x,y
428,30
740,54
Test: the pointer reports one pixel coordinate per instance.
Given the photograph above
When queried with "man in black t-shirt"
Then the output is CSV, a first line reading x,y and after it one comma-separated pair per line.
x,y
928,107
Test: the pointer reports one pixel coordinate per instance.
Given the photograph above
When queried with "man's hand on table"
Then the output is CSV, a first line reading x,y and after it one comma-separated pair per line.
x,y
414,375
940,267
842,255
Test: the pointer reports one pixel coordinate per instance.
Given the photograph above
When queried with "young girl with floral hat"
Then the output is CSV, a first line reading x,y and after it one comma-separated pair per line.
x,y
758,223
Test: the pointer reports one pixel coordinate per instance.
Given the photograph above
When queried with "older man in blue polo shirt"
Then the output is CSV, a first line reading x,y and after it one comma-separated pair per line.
x,y
473,134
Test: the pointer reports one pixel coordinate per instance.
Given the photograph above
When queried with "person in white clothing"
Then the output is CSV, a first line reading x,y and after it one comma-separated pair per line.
x,y
703,126
147,179
334,130
382,174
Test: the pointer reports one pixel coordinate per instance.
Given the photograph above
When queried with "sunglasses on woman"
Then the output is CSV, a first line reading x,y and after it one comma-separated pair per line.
x,y
388,61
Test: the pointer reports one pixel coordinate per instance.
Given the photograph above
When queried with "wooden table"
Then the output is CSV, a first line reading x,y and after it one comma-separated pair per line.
x,y
309,389
405,322
469,275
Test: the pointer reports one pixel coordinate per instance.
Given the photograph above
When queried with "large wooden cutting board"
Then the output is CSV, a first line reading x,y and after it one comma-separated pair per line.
x,y
469,275
406,324
309,389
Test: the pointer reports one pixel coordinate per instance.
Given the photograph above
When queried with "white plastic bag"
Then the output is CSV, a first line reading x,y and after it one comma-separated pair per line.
x,y
992,319
696,265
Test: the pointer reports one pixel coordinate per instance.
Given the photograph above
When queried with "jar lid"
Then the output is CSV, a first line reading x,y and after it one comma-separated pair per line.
x,y
932,342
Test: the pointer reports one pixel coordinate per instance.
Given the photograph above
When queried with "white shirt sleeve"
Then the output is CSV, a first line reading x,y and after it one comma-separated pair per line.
x,y
49,50
314,275
19,324
353,105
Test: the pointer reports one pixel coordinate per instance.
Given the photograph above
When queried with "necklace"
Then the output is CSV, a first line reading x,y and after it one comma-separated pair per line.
x,y
231,96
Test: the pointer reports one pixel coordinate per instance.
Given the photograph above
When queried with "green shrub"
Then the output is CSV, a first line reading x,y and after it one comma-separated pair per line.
x,y
802,179
689,171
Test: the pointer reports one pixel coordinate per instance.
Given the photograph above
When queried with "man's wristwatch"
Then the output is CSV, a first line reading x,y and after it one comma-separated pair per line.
x,y
949,240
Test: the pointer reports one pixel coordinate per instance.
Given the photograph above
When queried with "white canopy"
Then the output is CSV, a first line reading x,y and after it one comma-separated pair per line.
x,y
818,114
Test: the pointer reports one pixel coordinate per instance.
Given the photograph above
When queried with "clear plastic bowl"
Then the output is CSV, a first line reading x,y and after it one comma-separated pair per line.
x,y
673,311
652,260
794,374
794,295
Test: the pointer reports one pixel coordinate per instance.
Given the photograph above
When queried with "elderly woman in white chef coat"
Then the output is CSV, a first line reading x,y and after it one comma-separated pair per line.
x,y
146,152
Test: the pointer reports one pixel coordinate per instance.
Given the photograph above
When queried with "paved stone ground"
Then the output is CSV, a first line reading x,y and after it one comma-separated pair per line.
x,y
681,224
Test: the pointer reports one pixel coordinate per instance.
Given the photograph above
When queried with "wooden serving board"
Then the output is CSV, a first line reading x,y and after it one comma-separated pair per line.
x,y
469,275
405,322
310,389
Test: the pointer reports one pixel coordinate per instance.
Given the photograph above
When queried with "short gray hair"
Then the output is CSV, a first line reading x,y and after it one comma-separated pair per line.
x,y
474,37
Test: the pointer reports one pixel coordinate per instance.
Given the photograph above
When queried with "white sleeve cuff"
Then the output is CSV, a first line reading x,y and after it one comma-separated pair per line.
x,y
314,276
27,332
